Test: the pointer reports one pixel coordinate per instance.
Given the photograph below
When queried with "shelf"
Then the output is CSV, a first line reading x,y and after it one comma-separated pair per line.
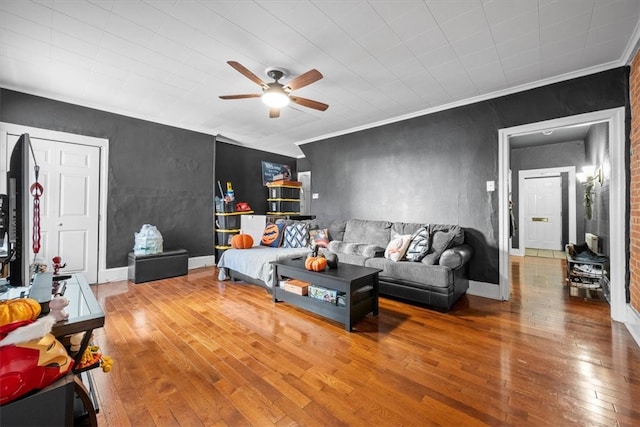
x,y
233,213
587,278
322,308
286,184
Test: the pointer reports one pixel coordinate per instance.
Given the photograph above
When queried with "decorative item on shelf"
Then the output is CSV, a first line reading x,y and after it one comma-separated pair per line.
x,y
57,308
315,261
57,264
18,309
332,260
30,364
243,207
588,177
92,356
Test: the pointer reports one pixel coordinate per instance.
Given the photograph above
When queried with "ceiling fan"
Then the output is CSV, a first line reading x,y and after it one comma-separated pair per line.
x,y
275,94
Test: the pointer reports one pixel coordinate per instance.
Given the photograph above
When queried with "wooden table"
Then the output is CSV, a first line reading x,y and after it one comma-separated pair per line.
x,y
359,285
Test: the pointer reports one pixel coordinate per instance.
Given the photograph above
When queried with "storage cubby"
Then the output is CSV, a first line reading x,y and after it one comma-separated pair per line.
x,y
284,198
227,225
587,275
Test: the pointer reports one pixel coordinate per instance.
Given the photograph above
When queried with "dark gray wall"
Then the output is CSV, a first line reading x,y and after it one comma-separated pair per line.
x,y
562,154
242,166
434,168
597,153
303,164
157,174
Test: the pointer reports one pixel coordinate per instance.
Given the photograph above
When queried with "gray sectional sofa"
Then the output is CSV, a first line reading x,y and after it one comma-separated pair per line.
x,y
437,280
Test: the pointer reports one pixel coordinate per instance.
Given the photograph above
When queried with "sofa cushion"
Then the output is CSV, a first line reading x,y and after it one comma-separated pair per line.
x,y
296,235
419,245
352,259
360,249
406,227
319,237
456,256
397,247
272,235
442,237
418,274
376,233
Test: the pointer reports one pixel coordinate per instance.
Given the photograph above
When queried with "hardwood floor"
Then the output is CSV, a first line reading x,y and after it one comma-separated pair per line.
x,y
194,351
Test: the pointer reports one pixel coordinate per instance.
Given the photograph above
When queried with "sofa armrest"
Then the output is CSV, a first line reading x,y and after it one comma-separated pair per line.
x,y
361,249
456,256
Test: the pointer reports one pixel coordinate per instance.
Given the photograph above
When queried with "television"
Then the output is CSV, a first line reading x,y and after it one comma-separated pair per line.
x,y
18,213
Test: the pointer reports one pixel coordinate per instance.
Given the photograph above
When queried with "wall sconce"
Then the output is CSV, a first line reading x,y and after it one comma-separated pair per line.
x,y
590,174
588,177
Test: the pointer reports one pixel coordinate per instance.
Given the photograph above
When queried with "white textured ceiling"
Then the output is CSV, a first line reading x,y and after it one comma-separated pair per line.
x,y
165,61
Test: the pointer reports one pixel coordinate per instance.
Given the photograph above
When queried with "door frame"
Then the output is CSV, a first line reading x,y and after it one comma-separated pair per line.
x,y
71,138
615,118
544,172
307,195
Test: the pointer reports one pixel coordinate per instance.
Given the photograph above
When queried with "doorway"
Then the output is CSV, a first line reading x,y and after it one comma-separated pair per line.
x,y
305,192
569,221
617,201
543,213
74,201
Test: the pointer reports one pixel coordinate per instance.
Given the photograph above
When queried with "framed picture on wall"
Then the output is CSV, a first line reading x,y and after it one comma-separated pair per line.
x,y
275,172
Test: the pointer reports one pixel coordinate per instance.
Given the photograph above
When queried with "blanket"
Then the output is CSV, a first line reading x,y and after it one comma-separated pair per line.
x,y
255,262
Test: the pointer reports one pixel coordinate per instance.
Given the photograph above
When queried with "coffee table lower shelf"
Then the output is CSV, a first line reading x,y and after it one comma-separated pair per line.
x,y
359,284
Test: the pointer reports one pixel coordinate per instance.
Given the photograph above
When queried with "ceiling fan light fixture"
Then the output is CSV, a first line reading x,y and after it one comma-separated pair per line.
x,y
275,97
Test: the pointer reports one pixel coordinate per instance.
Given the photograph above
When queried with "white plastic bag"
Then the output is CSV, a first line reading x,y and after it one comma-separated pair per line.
x,y
148,241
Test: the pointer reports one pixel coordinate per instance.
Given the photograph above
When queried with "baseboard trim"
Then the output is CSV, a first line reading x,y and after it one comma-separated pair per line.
x,y
484,289
632,322
122,273
202,261
113,275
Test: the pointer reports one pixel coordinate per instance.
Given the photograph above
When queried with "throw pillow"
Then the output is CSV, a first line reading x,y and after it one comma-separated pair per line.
x,y
397,247
440,241
296,235
272,235
420,244
319,237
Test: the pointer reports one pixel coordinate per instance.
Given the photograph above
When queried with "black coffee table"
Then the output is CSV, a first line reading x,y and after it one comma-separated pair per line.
x,y
359,284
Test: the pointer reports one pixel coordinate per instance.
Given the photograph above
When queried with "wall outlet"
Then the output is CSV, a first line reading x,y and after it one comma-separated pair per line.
x,y
491,186
315,196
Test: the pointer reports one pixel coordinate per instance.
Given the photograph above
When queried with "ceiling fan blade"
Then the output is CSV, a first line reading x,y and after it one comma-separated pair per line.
x,y
251,95
304,79
245,72
274,113
310,103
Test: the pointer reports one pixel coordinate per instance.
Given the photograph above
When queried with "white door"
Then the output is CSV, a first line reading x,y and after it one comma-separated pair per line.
x,y
543,213
69,205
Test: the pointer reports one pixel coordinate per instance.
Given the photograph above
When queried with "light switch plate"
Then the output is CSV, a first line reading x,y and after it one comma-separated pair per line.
x,y
315,196
491,186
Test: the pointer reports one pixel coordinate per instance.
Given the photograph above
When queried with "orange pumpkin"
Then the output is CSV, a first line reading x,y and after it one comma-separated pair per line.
x,y
17,309
241,241
315,263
